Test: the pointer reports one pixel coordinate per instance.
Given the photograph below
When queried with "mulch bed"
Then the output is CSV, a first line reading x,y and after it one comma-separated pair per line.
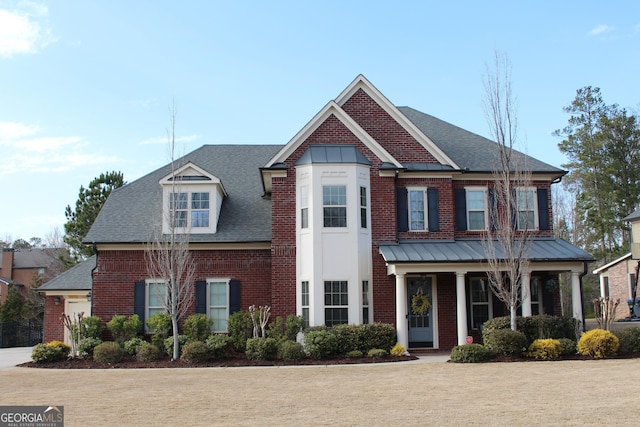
x,y
237,360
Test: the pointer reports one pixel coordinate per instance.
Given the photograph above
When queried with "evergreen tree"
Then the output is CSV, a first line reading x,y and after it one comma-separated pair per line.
x,y
88,205
11,309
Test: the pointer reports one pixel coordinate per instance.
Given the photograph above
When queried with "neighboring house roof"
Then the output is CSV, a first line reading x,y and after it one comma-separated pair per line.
x,y
37,258
612,263
9,281
469,150
76,278
473,250
631,217
133,213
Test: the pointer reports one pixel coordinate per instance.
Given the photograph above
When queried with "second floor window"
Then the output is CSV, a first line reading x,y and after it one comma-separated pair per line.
x,y
417,209
190,209
476,209
334,202
526,205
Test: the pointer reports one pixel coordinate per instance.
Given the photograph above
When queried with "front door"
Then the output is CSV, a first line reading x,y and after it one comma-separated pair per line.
x,y
420,306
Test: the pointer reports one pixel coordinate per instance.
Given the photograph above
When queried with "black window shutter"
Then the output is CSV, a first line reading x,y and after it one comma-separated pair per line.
x,y
461,209
201,297
432,200
402,210
514,208
234,296
491,196
543,208
138,301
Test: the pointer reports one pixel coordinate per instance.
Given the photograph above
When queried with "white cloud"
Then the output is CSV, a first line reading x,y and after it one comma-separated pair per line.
x,y
600,30
15,130
165,140
24,29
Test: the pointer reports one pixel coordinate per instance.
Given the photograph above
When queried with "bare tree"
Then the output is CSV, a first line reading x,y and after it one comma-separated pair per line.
x,y
507,238
167,254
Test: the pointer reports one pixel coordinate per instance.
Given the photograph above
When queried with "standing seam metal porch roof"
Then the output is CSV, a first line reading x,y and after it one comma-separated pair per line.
x,y
473,250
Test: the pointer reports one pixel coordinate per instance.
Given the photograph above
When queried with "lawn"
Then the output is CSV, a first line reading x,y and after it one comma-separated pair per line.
x,y
577,392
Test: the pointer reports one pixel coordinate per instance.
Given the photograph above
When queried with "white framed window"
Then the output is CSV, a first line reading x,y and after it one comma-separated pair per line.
x,y
155,297
190,208
200,210
476,208
536,293
363,207
218,303
178,208
481,301
304,292
334,202
304,207
527,209
417,200
365,302
336,302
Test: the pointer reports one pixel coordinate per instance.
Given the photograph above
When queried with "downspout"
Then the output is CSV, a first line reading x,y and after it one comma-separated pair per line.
x,y
95,249
584,273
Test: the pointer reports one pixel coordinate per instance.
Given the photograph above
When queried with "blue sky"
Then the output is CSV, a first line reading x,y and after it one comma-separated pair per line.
x,y
86,86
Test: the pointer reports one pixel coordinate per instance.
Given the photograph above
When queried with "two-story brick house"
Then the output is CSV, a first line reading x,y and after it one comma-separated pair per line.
x,y
368,206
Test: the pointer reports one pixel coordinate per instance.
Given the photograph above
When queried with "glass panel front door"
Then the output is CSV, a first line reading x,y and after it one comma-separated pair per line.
x,y
420,306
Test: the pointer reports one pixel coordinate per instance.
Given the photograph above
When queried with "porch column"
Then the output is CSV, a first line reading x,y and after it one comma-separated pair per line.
x,y
526,294
461,309
401,311
602,287
576,296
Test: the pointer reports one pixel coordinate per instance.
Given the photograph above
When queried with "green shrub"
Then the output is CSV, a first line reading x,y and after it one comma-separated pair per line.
x,y
378,335
159,325
398,350
261,349
348,338
533,327
545,349
132,346
148,352
320,344
86,347
598,344
168,344
219,345
377,352
291,350
195,352
108,352
568,346
92,327
123,328
629,340
285,329
354,354
507,342
198,327
470,353
240,329
50,352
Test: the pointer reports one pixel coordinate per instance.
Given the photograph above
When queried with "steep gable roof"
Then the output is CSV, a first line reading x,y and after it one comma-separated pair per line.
x,y
133,213
76,278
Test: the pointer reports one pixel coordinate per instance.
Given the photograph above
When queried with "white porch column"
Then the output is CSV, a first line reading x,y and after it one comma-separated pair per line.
x,y
461,309
576,296
602,288
526,294
402,326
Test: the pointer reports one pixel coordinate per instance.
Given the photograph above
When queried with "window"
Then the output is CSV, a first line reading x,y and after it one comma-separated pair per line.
x,y
218,303
336,302
417,209
334,200
304,207
197,210
526,205
480,302
363,207
365,302
155,298
536,289
305,302
476,209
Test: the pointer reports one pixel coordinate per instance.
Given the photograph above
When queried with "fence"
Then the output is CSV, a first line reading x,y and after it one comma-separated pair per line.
x,y
21,333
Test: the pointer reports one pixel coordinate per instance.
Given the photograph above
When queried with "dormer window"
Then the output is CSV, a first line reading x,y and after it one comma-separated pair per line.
x,y
192,201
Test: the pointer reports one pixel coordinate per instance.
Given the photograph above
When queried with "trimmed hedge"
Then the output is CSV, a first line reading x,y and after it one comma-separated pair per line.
x,y
470,353
50,352
261,349
194,352
148,352
535,327
629,340
507,342
108,352
291,350
219,345
545,349
598,344
321,343
197,327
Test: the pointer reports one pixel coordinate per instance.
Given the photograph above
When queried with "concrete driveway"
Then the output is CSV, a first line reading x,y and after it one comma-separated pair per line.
x,y
10,357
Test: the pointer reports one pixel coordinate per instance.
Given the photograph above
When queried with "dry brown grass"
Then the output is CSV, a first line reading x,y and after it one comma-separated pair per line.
x,y
567,393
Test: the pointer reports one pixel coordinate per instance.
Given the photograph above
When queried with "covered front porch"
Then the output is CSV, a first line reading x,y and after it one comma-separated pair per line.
x,y
418,265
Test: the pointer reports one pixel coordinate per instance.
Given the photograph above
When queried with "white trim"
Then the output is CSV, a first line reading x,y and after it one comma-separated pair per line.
x,y
534,208
612,263
226,281
486,206
425,202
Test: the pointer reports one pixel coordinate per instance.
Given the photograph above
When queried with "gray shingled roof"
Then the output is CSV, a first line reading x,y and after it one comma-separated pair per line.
x,y
37,257
469,150
77,278
133,213
635,215
472,250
